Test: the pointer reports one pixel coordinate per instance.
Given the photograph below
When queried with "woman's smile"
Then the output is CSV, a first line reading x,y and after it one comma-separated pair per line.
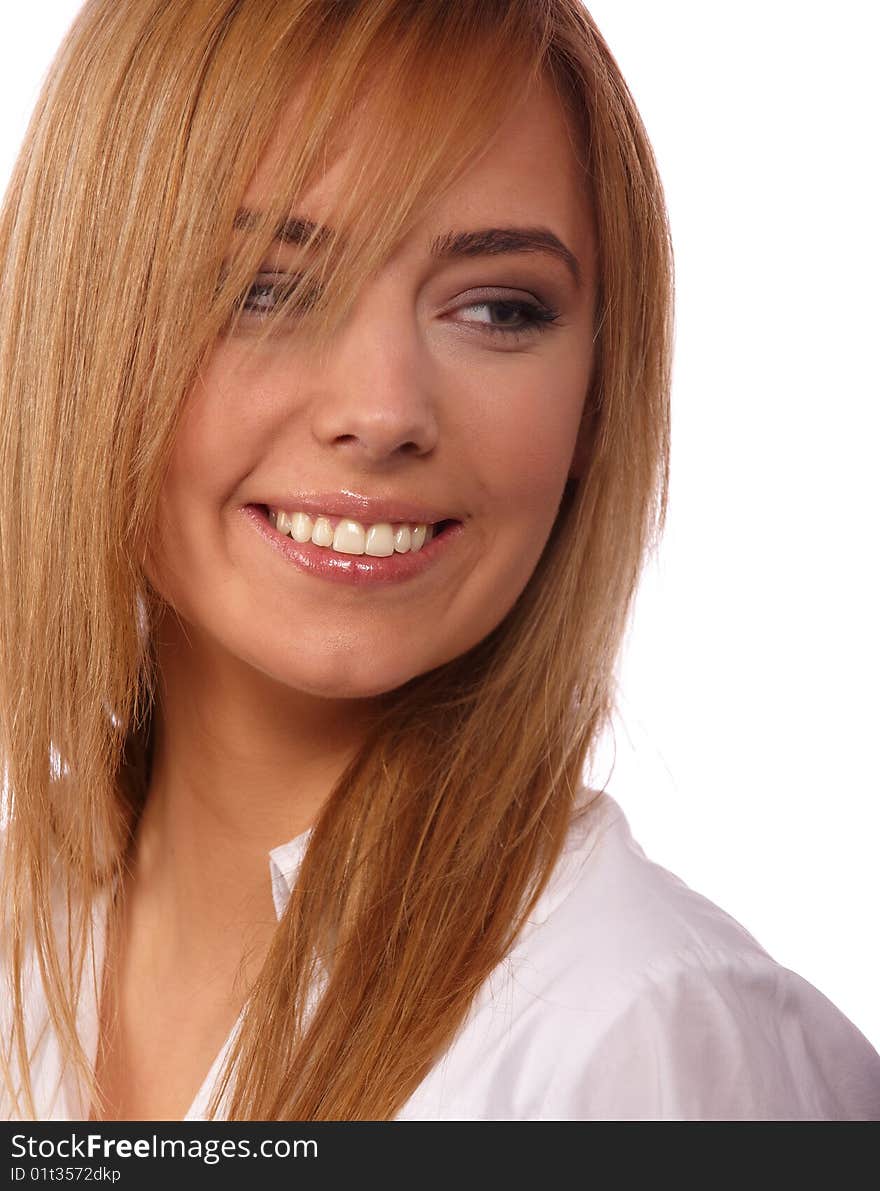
x,y
330,561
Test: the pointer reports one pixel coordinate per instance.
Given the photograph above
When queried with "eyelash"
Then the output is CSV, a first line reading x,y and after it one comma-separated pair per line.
x,y
538,317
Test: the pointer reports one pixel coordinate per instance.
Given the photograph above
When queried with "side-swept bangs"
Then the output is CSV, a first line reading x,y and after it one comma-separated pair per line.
x,y
413,108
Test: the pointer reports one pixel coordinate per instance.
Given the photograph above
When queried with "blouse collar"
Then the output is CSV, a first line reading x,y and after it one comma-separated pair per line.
x,y
284,864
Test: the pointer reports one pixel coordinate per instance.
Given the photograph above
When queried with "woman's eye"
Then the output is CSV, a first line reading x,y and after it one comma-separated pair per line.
x,y
512,316
266,293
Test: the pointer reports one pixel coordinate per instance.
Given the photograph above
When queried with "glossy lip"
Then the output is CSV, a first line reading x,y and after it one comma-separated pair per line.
x,y
354,569
367,510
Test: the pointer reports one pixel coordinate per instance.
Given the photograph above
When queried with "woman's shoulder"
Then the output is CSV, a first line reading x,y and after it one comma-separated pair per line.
x,y
629,995
621,913
690,1002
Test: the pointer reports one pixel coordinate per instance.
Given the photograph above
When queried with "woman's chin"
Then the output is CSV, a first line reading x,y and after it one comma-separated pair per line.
x,y
363,679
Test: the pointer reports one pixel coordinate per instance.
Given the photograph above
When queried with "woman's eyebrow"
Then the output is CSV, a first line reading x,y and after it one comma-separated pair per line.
x,y
493,241
487,241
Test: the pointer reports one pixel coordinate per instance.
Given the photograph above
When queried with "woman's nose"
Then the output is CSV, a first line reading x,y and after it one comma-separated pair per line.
x,y
376,402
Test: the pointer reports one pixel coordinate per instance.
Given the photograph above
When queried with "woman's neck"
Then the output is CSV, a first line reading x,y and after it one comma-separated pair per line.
x,y
240,765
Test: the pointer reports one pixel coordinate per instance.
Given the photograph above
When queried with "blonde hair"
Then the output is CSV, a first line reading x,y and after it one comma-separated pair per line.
x,y
120,265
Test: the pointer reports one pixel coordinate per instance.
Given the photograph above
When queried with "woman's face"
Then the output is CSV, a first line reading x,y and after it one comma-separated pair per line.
x,y
426,398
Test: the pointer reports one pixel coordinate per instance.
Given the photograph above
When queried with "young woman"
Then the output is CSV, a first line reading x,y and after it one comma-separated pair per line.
x,y
335,359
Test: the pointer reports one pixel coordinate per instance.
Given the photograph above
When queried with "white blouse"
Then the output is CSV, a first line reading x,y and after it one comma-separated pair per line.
x,y
627,996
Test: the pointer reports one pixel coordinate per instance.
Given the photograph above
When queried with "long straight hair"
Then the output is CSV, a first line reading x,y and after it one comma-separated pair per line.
x,y
124,254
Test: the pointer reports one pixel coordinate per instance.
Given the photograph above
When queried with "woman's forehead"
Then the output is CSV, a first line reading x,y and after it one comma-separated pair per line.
x,y
526,175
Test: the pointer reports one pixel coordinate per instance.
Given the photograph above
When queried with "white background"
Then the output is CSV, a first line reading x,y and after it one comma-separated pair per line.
x,y
745,752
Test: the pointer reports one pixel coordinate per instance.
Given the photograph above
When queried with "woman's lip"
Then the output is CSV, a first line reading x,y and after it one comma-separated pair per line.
x,y
361,570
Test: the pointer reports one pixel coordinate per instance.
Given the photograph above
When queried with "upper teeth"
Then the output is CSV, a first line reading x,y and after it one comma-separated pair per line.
x,y
351,537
